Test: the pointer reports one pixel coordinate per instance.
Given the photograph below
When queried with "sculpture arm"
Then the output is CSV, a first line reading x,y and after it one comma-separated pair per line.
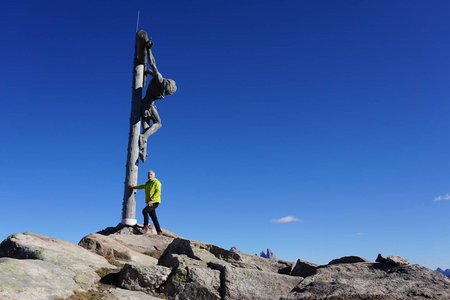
x,y
151,59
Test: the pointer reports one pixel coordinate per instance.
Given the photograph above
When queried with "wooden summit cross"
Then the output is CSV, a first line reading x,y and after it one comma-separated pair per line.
x,y
142,111
129,201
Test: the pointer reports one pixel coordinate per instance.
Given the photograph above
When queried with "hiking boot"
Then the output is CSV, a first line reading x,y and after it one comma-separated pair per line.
x,y
144,230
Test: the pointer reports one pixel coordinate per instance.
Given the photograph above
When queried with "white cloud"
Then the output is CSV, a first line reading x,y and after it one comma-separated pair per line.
x,y
445,197
287,219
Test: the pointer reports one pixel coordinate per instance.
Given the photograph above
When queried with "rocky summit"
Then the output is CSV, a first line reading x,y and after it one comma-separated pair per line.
x,y
120,263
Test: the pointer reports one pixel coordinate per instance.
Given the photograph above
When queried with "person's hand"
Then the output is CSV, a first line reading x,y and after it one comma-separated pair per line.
x,y
150,204
132,187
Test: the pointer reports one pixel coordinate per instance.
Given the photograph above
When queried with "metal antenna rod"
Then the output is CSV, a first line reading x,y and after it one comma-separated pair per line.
x,y
137,21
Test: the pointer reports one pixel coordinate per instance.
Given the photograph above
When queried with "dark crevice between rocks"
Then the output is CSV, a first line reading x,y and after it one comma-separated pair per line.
x,y
285,270
221,269
111,279
168,288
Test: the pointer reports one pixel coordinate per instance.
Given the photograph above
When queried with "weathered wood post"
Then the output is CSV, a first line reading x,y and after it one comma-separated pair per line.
x,y
129,201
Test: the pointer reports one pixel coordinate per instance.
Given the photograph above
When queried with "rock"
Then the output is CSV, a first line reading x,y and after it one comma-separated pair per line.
x,y
113,250
372,281
380,259
213,254
192,279
121,294
397,260
204,271
392,260
304,268
148,244
251,284
348,260
146,278
36,279
39,267
60,253
121,229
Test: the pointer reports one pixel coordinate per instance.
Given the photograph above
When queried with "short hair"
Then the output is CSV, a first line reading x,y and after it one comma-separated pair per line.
x,y
151,171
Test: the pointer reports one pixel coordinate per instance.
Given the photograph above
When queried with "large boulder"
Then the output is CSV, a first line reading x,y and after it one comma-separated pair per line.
x,y
373,281
212,254
63,254
114,251
191,278
37,279
204,271
148,244
146,278
251,284
392,260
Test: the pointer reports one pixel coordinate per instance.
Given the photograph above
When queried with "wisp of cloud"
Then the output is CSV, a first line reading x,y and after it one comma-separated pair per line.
x,y
445,197
287,219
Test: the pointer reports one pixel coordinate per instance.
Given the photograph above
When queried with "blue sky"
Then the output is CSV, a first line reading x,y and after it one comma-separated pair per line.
x,y
334,113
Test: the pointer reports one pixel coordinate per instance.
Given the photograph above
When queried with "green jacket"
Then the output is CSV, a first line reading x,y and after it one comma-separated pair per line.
x,y
152,190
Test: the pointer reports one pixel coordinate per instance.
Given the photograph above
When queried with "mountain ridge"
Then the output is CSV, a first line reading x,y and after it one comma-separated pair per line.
x,y
120,263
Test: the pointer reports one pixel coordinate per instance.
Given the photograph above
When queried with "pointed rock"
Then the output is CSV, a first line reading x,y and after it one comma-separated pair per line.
x,y
304,268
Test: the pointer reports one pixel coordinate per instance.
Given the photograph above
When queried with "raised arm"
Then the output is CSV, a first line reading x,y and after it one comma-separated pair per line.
x,y
151,59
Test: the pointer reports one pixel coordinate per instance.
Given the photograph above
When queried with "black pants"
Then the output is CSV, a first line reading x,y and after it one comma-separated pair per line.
x,y
151,210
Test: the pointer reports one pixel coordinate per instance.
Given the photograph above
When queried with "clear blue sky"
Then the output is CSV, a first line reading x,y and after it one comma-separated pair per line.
x,y
333,112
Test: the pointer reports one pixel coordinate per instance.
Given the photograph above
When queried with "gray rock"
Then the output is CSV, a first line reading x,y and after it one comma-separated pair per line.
x,y
121,294
380,259
304,268
234,275
251,284
60,253
397,260
113,250
191,279
36,279
149,279
372,281
148,244
348,260
213,254
392,260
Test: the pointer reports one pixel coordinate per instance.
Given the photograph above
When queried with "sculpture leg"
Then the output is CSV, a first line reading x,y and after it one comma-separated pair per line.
x,y
143,141
155,126
148,131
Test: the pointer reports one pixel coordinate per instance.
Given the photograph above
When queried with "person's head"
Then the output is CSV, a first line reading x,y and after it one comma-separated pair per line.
x,y
170,87
151,175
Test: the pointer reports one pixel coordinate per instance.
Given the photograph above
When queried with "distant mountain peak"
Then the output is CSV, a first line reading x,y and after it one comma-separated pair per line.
x,y
445,272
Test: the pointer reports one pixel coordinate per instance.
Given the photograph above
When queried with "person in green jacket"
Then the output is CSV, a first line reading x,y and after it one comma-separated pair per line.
x,y
152,199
